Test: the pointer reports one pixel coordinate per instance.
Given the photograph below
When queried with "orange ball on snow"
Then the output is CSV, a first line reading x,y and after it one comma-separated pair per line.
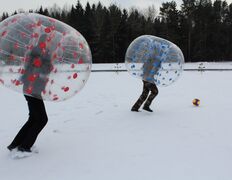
x,y
196,102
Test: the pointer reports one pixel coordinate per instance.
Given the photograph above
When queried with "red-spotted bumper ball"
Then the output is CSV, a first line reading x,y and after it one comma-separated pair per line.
x,y
155,60
43,57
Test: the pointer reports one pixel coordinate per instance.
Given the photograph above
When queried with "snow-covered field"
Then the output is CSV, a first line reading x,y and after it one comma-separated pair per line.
x,y
95,136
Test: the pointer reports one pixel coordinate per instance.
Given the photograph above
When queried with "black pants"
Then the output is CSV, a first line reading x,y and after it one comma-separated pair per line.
x,y
147,87
27,135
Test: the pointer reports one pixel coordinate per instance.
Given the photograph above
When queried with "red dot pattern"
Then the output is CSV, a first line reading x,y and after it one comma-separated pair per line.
x,y
37,62
70,56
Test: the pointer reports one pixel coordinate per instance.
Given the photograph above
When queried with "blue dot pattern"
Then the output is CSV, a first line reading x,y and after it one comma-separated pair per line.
x,y
155,60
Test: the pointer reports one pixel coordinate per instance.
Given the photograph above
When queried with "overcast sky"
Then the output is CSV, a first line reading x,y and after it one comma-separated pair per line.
x,y
11,5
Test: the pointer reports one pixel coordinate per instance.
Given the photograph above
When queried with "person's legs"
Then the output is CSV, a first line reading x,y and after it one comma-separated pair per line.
x,y
142,97
154,92
37,120
39,117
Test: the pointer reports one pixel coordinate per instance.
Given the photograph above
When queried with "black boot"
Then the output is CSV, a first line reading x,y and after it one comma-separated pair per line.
x,y
147,108
24,149
11,147
134,109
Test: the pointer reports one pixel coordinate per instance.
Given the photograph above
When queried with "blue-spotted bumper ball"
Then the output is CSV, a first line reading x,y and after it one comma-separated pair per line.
x,y
155,60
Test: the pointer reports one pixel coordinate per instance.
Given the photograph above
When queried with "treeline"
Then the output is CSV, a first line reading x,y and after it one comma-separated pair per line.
x,y
201,28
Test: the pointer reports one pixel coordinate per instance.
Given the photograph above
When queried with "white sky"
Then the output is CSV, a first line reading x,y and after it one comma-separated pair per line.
x,y
11,5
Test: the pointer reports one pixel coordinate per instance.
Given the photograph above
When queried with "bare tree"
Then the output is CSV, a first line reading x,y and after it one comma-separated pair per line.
x,y
150,13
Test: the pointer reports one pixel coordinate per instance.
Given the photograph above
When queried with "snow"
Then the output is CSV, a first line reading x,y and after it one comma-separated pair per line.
x,y
95,136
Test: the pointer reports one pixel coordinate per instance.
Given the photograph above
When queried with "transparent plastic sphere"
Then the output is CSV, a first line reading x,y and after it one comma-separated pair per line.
x,y
43,57
155,60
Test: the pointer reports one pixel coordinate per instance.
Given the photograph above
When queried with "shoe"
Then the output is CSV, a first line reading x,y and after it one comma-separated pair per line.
x,y
146,108
24,149
134,110
11,147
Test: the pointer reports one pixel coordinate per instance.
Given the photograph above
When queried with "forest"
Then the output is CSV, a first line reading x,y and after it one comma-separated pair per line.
x,y
201,28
